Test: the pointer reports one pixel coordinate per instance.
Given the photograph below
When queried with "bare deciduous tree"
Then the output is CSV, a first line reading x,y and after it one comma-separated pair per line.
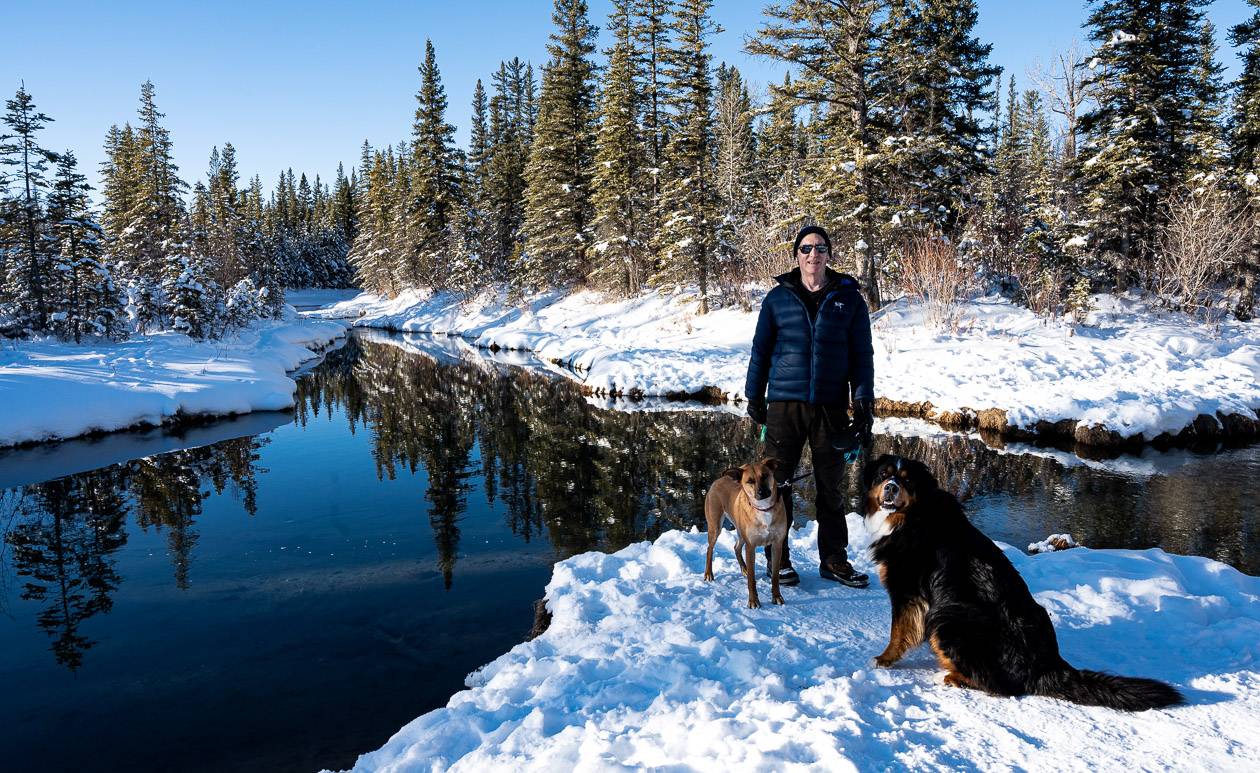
x,y
1064,91
932,272
1206,235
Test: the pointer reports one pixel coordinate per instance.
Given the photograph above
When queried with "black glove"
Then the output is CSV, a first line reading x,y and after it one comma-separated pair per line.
x,y
863,418
757,410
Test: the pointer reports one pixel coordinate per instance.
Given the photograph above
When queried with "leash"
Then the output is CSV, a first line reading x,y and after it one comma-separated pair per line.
x,y
802,476
850,456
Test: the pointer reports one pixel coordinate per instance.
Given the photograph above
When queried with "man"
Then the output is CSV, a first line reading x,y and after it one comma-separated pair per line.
x,y
813,350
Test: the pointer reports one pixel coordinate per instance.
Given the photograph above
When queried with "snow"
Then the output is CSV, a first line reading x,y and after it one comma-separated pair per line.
x,y
50,389
1131,368
645,665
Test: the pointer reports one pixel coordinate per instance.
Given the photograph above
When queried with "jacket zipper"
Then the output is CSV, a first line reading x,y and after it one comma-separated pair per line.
x,y
812,330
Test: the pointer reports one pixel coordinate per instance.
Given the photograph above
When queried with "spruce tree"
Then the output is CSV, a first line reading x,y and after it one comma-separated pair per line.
x,y
937,77
87,301
558,211
1244,142
478,189
511,130
433,206
688,236
735,166
370,254
650,35
838,48
24,238
226,227
779,142
1208,151
621,186
1136,146
153,224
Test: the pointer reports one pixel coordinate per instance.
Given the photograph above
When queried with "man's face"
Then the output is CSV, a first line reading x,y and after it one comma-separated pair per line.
x,y
815,260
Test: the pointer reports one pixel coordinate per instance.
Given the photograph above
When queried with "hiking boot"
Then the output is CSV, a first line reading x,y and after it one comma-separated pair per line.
x,y
839,569
787,576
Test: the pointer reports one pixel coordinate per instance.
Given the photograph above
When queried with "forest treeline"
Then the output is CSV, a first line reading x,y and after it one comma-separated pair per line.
x,y
155,254
1127,163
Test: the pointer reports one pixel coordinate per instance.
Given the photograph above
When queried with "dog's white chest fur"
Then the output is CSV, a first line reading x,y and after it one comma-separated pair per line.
x,y
877,524
760,527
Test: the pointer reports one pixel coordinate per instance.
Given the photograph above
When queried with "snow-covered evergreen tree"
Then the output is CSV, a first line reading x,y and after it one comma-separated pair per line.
x,y
558,210
370,252
192,297
1244,147
779,141
27,249
735,172
936,77
511,123
1138,138
687,240
837,49
84,296
621,187
435,198
1206,133
650,37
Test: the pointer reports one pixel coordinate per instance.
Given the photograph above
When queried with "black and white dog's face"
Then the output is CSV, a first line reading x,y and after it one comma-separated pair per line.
x,y
893,483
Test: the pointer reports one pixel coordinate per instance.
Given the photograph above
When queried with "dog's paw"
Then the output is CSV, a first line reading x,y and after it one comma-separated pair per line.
x,y
885,661
955,679
708,576
754,604
778,599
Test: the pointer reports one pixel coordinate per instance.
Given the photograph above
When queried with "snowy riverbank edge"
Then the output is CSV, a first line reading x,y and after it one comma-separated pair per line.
x,y
1131,374
52,390
646,665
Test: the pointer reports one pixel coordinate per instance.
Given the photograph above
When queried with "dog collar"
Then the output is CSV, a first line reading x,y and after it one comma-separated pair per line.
x,y
774,501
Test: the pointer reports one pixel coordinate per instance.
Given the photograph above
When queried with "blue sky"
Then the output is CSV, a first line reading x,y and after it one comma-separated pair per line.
x,y
303,84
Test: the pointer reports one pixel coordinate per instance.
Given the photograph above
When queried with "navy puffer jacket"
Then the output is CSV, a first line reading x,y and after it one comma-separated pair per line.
x,y
825,360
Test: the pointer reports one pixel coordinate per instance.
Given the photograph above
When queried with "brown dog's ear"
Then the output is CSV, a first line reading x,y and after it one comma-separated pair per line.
x,y
736,473
772,463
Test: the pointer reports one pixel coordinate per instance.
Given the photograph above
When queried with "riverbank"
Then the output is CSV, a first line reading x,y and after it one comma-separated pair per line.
x,y
1132,374
646,665
53,390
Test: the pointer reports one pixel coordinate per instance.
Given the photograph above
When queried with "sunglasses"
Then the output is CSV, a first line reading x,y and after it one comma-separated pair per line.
x,y
808,248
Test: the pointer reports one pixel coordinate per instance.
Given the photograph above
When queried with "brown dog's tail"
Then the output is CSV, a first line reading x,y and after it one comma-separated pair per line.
x,y
1095,688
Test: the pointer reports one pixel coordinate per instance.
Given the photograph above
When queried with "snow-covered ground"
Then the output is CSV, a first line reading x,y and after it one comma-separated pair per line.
x,y
647,666
50,389
1130,368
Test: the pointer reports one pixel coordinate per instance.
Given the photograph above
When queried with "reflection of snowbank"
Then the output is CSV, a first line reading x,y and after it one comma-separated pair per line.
x,y
51,389
645,665
1131,369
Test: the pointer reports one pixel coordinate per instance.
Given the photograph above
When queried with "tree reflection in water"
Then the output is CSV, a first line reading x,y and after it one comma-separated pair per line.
x,y
590,478
64,533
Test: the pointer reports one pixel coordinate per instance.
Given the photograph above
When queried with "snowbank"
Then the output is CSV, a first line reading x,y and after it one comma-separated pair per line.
x,y
645,665
51,390
1130,369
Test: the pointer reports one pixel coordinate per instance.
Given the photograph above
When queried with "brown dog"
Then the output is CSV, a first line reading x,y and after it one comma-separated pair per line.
x,y
750,498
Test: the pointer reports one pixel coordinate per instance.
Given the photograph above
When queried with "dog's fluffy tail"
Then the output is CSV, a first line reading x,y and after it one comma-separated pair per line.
x,y
1095,688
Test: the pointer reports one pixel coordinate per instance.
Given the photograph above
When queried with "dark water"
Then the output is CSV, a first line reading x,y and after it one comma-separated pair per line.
x,y
292,589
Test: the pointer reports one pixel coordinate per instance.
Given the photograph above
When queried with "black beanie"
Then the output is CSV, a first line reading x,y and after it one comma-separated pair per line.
x,y
806,231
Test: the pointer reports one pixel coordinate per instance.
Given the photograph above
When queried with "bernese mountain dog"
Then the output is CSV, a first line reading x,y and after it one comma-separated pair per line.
x,y
952,587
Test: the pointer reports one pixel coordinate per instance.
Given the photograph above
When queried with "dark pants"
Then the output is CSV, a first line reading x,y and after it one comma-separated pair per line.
x,y
789,425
